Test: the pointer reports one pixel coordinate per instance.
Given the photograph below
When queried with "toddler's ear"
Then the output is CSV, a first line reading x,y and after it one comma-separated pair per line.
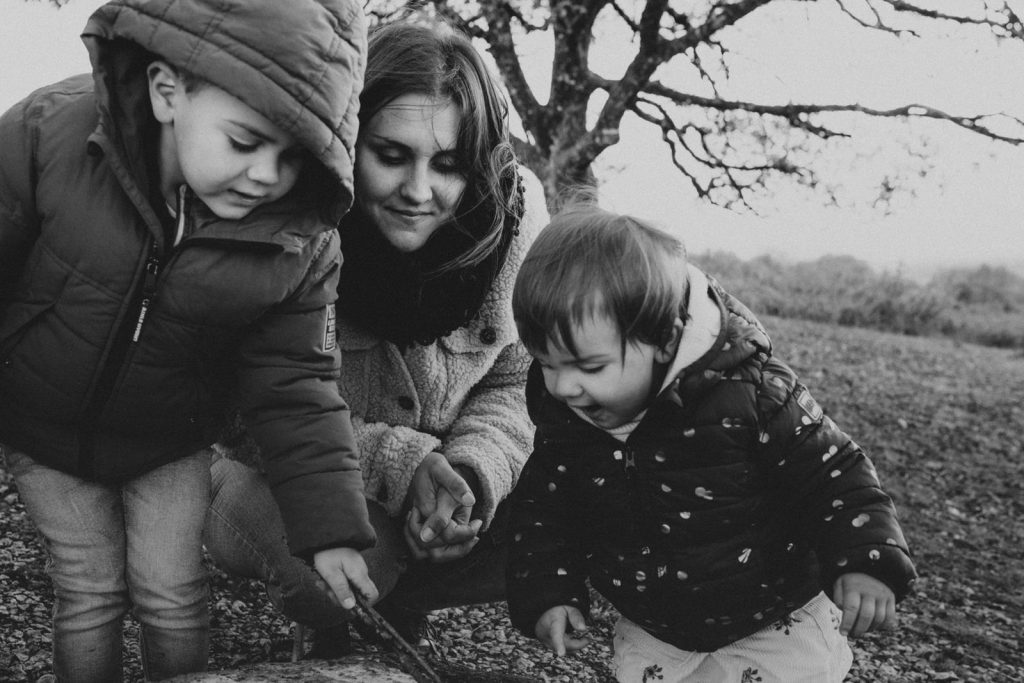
x,y
667,351
163,87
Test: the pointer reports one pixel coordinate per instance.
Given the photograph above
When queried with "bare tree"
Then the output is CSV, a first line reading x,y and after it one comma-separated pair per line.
x,y
726,148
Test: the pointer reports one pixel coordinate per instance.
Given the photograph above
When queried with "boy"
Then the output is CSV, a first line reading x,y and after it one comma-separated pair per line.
x,y
167,246
685,472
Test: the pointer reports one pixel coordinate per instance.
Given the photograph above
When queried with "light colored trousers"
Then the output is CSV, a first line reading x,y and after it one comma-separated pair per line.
x,y
112,548
805,648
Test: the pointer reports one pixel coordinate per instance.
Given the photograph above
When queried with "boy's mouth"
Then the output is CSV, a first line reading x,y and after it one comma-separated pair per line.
x,y
246,197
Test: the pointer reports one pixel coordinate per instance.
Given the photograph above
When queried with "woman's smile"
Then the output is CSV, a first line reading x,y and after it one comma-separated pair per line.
x,y
408,178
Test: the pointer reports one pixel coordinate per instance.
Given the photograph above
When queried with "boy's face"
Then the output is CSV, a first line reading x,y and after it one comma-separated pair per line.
x,y
609,388
232,157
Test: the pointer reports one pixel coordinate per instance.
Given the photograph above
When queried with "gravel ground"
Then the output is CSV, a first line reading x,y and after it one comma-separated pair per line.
x,y
943,423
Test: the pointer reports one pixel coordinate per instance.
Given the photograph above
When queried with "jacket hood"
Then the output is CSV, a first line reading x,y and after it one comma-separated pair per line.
x,y
298,63
719,333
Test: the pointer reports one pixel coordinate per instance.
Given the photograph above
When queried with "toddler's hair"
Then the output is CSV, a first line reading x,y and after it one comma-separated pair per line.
x,y
589,262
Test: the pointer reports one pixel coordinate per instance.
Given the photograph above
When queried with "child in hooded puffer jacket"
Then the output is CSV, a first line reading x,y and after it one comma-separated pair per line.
x,y
682,470
167,250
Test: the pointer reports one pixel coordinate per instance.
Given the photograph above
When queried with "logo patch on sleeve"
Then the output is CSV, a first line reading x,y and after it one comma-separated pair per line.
x,y
330,340
809,405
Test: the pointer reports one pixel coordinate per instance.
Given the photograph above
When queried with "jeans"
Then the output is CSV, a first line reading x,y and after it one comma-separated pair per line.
x,y
115,547
245,536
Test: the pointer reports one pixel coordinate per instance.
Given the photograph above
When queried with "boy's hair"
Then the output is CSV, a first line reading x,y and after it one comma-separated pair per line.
x,y
588,263
190,81
430,58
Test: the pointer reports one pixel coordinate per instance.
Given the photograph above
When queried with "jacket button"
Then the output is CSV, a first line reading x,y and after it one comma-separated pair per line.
x,y
488,335
405,403
7,362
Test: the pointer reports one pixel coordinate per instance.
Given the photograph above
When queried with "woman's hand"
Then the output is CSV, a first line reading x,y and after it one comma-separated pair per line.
x,y
344,569
439,525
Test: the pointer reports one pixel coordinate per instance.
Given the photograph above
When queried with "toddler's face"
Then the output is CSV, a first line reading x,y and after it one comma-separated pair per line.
x,y
232,157
609,388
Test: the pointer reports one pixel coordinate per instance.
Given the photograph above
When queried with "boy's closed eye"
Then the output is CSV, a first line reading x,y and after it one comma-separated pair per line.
x,y
243,146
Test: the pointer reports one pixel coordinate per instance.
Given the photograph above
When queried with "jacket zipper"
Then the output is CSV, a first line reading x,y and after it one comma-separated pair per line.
x,y
127,336
153,265
148,290
640,513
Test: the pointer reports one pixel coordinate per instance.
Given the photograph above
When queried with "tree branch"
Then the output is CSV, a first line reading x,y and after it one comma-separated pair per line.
x,y
1009,24
793,112
498,36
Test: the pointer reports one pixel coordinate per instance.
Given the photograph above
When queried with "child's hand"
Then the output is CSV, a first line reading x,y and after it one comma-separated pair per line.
x,y
867,604
344,569
551,629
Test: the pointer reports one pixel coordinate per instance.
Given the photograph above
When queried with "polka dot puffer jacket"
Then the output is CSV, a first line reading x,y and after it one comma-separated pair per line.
x,y
732,503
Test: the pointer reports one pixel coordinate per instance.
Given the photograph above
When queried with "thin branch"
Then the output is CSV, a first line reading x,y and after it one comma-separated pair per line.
x,y
1010,23
633,26
721,16
792,112
878,24
726,175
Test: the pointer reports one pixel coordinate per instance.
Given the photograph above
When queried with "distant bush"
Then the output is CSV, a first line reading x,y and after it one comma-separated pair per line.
x,y
983,306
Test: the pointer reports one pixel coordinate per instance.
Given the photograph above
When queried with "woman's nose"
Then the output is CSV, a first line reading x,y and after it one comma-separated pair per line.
x,y
416,184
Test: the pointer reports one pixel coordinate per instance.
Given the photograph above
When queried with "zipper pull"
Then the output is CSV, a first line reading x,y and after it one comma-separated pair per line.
x,y
148,289
627,458
142,318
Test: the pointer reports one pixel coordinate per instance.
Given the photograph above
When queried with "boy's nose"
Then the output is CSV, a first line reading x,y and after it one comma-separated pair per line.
x,y
265,169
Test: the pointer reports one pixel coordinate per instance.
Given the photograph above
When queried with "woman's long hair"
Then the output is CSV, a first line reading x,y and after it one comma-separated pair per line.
x,y
436,61
424,295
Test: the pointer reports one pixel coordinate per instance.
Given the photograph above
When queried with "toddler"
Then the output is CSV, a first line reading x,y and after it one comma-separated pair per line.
x,y
686,473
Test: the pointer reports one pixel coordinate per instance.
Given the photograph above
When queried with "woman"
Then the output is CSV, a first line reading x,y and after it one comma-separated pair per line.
x,y
431,363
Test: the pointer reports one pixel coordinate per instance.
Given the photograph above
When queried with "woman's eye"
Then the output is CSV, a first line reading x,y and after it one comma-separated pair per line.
x,y
447,165
244,147
592,369
388,156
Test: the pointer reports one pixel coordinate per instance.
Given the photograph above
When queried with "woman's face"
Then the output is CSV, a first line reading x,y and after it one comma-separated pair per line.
x,y
407,173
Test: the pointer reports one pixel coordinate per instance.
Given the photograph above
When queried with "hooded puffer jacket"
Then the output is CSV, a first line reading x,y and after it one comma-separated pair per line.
x,y
120,351
731,504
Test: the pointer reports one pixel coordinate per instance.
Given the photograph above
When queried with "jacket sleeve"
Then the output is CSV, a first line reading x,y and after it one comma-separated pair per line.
x,y
492,433
545,568
19,224
290,402
850,522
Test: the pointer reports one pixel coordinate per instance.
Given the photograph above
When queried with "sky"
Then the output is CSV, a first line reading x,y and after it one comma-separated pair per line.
x,y
967,211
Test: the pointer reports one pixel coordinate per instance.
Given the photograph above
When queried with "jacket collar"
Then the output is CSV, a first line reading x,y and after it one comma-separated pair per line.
x,y
705,320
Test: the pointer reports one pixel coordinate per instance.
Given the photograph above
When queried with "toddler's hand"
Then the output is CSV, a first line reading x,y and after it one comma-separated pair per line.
x,y
867,604
344,569
551,629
